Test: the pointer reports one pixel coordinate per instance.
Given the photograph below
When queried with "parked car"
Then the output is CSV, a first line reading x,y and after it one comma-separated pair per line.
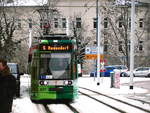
x,y
123,69
108,69
14,69
140,71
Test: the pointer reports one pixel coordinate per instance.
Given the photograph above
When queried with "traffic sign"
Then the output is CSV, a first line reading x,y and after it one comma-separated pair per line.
x,y
91,50
93,56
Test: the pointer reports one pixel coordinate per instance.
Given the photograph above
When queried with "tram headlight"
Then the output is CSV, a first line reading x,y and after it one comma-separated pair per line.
x,y
68,82
43,83
65,82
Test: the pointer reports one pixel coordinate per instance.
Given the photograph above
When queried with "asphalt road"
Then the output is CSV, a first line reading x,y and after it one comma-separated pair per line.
x,y
143,84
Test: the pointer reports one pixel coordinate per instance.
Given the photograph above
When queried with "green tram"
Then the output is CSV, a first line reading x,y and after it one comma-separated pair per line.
x,y
53,69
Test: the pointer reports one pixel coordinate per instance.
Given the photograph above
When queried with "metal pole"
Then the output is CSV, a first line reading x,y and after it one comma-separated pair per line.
x,y
67,29
132,42
98,43
96,21
96,33
30,38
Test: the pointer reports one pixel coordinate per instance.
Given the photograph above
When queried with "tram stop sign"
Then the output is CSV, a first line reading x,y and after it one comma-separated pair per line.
x,y
91,50
91,53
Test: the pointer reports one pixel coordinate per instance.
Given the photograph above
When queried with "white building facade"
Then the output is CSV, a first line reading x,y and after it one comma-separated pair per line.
x,y
83,12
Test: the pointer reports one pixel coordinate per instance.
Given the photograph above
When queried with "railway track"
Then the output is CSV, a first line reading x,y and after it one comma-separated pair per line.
x,y
47,108
114,103
72,108
87,102
140,100
59,108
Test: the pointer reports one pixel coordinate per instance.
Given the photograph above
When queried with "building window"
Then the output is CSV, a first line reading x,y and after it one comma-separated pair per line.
x,y
94,23
30,23
120,46
44,24
129,22
105,22
120,24
106,45
19,23
140,45
55,22
78,22
41,23
63,22
141,22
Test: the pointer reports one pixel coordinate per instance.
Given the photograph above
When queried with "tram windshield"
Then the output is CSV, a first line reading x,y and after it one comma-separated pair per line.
x,y
55,66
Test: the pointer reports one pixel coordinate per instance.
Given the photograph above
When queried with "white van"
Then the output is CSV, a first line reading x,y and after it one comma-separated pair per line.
x,y
14,69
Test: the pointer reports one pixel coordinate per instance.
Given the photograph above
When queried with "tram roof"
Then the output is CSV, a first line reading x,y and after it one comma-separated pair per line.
x,y
55,37
55,41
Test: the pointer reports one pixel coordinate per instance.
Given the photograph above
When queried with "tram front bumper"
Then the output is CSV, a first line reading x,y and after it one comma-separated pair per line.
x,y
55,93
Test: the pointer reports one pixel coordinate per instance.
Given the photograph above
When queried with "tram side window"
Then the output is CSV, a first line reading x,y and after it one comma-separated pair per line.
x,y
74,70
44,68
34,68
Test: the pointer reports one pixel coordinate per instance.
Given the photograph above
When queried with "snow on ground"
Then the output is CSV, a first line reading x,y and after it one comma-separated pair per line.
x,y
24,105
105,83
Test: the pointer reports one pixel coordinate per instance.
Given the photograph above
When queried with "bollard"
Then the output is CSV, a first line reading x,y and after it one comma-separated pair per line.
x,y
116,78
112,79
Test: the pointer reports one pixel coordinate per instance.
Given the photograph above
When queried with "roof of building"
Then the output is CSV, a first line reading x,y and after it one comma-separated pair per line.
x,y
144,1
24,2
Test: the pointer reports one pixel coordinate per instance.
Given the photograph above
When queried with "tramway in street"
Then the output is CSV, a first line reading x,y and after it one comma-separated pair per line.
x,y
76,56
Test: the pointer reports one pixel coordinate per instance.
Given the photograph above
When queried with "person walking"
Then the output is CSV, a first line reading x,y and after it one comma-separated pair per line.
x,y
7,87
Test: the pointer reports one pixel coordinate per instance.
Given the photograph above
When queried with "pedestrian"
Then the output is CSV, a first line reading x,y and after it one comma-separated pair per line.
x,y
7,87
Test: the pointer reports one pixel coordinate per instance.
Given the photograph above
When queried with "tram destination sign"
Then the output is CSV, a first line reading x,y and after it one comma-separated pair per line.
x,y
58,47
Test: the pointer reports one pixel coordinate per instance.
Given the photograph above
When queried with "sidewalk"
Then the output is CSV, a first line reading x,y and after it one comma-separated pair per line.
x,y
105,85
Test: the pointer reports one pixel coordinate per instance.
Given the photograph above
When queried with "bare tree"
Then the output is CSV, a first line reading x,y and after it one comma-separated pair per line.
x,y
47,14
8,44
119,20
79,32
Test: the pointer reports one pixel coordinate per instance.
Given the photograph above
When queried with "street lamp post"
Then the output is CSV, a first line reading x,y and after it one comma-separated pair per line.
x,y
132,42
98,35
30,37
